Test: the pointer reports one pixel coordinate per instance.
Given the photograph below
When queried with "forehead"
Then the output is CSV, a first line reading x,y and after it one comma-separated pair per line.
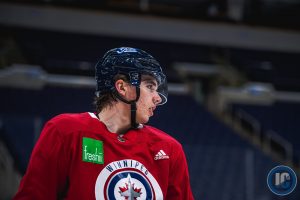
x,y
148,78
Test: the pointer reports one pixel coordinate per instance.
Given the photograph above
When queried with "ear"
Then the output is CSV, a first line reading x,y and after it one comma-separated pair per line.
x,y
121,87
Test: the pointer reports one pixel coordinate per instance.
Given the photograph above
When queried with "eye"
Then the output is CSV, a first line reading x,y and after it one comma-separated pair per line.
x,y
149,87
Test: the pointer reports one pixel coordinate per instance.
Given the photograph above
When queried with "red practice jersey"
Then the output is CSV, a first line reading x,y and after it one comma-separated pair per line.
x,y
76,157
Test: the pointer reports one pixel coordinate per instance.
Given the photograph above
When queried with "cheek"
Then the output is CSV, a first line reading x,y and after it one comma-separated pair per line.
x,y
141,104
144,102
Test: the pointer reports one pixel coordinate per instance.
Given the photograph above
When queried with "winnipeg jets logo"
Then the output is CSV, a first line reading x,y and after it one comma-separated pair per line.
x,y
127,180
129,191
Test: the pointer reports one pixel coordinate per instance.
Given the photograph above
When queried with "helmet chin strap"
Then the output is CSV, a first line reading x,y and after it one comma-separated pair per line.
x,y
133,108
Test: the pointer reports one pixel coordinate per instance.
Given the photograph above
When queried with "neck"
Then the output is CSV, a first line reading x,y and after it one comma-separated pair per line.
x,y
116,118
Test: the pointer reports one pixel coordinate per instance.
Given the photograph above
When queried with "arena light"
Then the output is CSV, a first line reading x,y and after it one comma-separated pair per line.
x,y
35,78
251,93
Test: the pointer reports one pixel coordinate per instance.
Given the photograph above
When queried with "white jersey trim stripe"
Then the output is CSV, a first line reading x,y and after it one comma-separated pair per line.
x,y
93,115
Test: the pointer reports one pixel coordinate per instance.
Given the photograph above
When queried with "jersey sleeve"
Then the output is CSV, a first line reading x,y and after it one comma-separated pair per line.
x,y
179,182
46,174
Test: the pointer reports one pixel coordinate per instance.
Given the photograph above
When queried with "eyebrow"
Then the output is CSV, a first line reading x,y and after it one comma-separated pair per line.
x,y
150,80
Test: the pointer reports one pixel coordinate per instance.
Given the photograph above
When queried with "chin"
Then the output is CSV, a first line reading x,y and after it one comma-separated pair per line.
x,y
143,120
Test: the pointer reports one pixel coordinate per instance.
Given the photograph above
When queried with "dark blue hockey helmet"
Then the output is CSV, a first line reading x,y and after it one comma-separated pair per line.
x,y
131,62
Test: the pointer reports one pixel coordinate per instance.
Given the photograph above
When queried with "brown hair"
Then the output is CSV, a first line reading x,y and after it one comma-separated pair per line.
x,y
108,98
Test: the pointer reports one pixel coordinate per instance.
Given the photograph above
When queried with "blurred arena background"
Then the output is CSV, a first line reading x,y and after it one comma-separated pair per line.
x,y
233,69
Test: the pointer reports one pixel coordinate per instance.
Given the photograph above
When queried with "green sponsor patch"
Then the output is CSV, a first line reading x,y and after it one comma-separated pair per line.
x,y
92,150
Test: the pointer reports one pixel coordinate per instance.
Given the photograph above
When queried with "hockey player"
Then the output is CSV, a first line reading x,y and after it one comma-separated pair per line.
x,y
111,154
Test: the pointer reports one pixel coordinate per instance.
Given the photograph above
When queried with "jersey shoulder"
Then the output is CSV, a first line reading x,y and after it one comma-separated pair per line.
x,y
157,135
70,122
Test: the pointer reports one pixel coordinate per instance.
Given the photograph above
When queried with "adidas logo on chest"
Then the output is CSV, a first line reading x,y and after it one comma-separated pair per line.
x,y
161,155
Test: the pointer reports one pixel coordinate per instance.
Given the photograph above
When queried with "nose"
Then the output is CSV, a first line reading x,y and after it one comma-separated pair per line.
x,y
157,99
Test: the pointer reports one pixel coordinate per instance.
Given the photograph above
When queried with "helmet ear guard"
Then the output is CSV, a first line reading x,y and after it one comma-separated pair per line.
x,y
135,78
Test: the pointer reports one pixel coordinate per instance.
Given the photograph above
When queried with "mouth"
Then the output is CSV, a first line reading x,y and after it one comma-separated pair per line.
x,y
151,111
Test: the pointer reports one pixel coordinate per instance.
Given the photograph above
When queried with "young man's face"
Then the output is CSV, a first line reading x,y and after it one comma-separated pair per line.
x,y
149,99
